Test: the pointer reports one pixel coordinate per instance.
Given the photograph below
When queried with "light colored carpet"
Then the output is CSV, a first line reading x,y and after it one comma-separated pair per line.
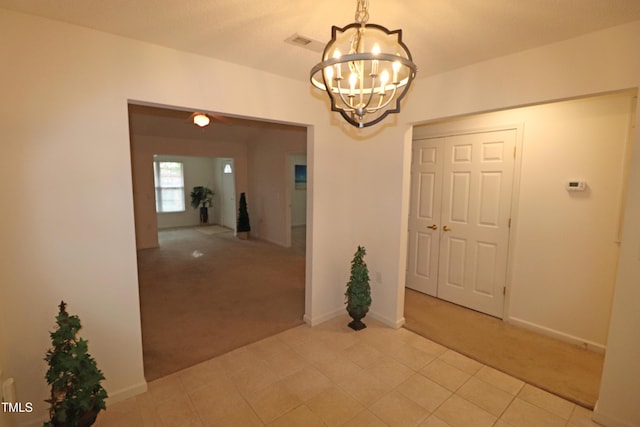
x,y
213,229
205,295
552,365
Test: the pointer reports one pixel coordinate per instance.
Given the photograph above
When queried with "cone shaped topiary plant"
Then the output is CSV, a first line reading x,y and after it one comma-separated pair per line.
x,y
243,226
358,294
76,391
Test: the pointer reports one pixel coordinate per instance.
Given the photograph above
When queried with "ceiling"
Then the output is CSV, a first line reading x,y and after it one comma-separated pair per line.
x,y
441,34
173,123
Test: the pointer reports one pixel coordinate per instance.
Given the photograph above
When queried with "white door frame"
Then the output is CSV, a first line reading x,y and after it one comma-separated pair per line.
x,y
225,198
287,200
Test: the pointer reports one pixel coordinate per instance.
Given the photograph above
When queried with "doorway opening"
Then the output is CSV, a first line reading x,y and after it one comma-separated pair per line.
x,y
197,289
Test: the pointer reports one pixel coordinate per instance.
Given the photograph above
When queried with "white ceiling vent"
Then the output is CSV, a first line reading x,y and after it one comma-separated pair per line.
x,y
305,42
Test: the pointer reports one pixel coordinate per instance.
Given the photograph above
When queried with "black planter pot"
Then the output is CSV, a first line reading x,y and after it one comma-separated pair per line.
x,y
204,215
86,420
357,317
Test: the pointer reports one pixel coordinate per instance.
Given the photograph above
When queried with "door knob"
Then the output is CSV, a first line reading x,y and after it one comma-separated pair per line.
x,y
445,228
433,227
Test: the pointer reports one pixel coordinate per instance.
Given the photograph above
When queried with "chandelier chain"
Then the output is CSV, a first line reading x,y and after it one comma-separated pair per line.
x,y
362,12
361,17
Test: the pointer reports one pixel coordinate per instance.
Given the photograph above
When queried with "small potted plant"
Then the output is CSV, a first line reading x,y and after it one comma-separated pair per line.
x,y
201,197
77,395
243,226
358,294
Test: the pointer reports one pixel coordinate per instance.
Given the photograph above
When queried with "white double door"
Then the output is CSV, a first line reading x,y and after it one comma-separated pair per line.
x,y
459,219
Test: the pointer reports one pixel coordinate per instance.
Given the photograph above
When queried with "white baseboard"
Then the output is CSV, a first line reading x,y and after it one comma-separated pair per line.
x,y
316,320
307,319
580,342
126,393
608,421
395,324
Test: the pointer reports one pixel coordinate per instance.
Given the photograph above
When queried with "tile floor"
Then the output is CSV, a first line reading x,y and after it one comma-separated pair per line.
x,y
330,375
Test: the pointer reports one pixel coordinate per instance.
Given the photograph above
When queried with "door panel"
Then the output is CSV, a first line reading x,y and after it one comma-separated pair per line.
x,y
485,268
426,187
489,209
455,263
459,197
478,175
424,212
423,252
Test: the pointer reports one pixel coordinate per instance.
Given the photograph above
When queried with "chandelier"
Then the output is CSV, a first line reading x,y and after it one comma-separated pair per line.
x,y
366,70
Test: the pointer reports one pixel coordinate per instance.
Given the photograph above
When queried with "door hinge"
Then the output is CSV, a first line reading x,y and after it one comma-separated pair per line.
x,y
514,152
504,291
509,224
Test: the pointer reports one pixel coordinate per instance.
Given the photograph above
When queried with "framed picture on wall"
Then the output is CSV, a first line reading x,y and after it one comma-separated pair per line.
x,y
300,172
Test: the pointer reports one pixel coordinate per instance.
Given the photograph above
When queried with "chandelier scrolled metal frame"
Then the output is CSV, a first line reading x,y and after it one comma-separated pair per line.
x,y
377,80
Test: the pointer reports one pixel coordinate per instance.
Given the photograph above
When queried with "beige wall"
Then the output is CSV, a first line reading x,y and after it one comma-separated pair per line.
x,y
76,239
268,182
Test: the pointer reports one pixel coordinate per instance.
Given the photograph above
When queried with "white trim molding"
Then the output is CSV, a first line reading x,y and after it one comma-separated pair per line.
x,y
580,342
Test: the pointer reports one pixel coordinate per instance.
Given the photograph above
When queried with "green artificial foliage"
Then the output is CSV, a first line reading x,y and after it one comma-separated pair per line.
x,y
358,294
76,393
201,197
243,215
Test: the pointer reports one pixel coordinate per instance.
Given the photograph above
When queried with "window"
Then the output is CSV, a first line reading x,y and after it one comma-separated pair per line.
x,y
169,182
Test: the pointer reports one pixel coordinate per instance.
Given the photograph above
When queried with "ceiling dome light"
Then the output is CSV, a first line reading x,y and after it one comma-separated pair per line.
x,y
201,120
369,80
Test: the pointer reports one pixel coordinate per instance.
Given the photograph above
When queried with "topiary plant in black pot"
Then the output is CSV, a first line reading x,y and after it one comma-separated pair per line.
x,y
77,395
243,226
358,292
201,197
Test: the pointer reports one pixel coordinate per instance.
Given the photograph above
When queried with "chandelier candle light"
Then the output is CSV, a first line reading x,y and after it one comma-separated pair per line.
x,y
376,63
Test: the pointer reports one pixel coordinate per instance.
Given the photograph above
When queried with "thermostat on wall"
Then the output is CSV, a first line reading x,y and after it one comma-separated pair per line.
x,y
576,186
